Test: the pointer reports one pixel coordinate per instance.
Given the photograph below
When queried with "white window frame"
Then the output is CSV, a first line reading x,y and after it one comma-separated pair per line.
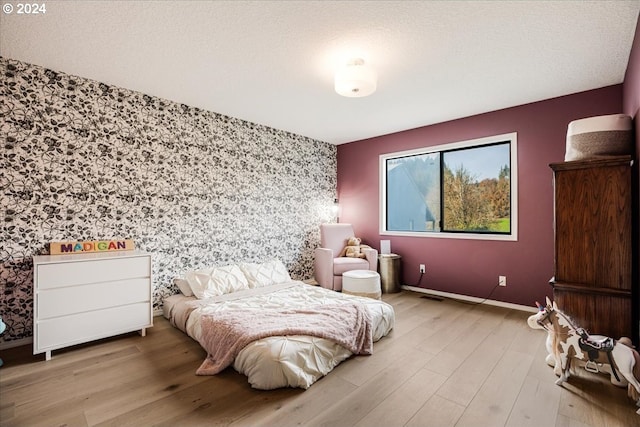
x,y
513,236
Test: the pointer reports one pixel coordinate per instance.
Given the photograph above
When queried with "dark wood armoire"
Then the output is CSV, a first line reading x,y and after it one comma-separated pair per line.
x,y
592,280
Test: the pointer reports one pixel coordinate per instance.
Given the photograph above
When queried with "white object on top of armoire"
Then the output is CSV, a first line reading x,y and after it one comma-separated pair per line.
x,y
84,297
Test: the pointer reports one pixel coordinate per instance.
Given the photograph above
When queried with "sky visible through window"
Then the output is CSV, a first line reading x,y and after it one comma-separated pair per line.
x,y
482,162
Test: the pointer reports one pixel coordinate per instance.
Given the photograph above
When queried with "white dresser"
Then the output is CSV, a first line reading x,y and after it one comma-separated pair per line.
x,y
84,297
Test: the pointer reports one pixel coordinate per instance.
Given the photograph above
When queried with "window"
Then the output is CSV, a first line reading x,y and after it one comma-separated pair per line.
x,y
463,190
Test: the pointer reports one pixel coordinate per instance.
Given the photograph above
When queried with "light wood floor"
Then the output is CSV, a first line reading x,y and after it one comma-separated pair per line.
x,y
446,363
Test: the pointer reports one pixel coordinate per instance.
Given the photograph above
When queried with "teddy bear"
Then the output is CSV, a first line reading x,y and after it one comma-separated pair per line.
x,y
354,248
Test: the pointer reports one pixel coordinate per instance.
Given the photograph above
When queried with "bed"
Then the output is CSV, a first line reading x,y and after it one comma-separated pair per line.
x,y
274,361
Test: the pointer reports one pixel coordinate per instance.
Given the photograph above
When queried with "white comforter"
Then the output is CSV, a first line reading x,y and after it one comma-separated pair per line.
x,y
282,361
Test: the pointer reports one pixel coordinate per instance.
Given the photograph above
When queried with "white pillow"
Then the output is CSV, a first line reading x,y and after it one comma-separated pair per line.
x,y
217,281
265,274
184,287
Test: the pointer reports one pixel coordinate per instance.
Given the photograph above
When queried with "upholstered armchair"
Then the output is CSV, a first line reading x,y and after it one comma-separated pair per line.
x,y
328,266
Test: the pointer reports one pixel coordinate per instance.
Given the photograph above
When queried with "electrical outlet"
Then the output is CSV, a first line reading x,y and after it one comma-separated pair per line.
x,y
422,268
502,280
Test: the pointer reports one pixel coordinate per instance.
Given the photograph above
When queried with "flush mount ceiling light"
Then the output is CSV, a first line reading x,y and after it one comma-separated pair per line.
x,y
355,79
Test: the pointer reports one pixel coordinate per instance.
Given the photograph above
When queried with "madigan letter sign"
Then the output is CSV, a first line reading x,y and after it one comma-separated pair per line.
x,y
63,248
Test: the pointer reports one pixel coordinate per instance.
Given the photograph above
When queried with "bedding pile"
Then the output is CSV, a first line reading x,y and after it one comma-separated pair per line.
x,y
226,333
295,358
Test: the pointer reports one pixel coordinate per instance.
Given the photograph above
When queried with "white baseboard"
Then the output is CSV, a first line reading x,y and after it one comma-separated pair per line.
x,y
471,299
15,343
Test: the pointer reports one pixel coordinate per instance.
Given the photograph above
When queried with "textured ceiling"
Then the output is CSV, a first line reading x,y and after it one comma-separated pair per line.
x,y
272,62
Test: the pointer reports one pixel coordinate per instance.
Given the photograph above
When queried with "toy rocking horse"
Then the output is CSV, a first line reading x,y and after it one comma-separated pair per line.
x,y
566,341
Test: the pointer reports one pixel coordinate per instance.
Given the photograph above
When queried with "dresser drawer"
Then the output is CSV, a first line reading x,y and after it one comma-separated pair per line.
x,y
82,327
56,302
92,271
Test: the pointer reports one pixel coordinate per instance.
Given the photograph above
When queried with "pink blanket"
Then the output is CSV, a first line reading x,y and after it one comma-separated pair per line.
x,y
226,333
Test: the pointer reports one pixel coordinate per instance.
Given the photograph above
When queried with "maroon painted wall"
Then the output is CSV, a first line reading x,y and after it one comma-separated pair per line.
x,y
631,106
631,85
471,267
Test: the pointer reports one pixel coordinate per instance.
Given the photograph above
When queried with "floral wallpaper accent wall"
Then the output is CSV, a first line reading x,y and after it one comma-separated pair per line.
x,y
83,160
